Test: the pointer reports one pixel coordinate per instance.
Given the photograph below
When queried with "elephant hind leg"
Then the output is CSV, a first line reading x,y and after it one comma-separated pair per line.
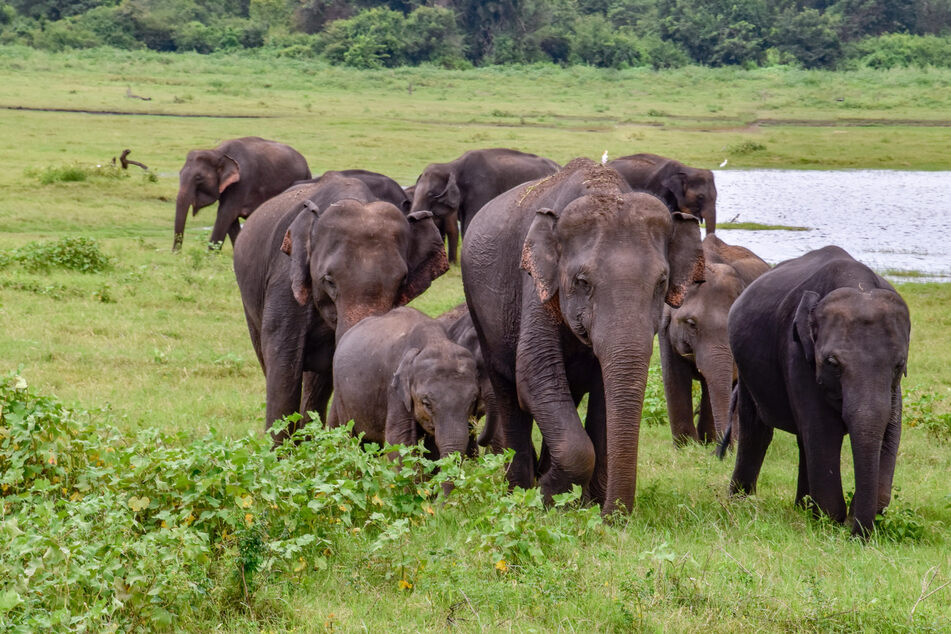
x,y
754,440
516,428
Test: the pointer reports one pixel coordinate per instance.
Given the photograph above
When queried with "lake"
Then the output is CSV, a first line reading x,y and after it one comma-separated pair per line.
x,y
893,221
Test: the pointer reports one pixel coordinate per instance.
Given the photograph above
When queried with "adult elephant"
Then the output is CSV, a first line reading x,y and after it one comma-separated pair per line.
x,y
565,278
312,262
240,174
821,344
461,187
687,189
694,345
380,185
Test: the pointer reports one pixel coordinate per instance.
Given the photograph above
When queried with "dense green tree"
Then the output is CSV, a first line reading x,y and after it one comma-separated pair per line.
x,y
716,32
809,36
859,18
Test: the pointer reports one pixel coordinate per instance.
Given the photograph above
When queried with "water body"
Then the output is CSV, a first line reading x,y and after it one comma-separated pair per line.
x,y
892,221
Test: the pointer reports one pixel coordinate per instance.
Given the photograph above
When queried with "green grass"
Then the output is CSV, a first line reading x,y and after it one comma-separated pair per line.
x,y
156,340
758,226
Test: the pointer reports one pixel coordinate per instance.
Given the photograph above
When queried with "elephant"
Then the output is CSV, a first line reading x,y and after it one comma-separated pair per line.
x,y
694,345
821,345
565,278
381,186
460,329
350,257
461,187
686,189
401,379
240,174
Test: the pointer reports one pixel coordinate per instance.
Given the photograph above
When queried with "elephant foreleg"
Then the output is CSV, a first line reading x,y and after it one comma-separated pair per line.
x,y
706,427
889,454
823,449
234,230
678,390
316,393
596,426
751,446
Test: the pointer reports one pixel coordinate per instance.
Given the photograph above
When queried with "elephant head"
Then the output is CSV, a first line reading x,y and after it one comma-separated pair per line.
x,y
438,384
604,266
201,181
856,343
697,332
353,259
694,191
437,190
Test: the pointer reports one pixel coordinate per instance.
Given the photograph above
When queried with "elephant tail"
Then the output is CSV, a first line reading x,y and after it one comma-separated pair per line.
x,y
724,445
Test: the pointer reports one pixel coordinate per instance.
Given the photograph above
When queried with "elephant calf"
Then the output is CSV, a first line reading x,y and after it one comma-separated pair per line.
x,y
400,379
821,343
694,344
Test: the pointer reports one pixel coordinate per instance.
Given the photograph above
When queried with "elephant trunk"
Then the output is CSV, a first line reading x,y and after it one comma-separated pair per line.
x,y
866,416
718,369
624,361
182,203
709,213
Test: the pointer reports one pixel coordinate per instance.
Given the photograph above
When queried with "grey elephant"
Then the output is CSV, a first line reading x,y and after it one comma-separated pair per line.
x,y
380,185
400,379
311,263
240,174
565,279
821,345
461,330
686,189
461,187
694,345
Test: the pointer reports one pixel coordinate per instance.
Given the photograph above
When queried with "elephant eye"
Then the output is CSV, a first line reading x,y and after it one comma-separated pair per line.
x,y
582,285
691,322
832,361
329,285
425,402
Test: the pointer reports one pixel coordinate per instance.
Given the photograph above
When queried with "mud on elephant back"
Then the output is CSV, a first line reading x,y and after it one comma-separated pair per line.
x,y
565,279
311,263
240,174
821,345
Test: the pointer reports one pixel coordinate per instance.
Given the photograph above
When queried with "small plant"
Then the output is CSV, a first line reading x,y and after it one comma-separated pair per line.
x,y
920,410
73,254
75,172
746,147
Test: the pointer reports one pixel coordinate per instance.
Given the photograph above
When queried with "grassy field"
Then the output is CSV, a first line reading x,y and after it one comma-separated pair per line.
x,y
159,341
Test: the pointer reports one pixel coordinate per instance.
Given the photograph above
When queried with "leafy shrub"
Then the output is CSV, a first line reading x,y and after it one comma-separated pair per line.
x,y
75,172
74,254
599,43
899,50
371,39
745,147
919,409
104,531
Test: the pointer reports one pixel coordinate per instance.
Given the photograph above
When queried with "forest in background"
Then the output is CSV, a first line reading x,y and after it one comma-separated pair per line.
x,y
830,34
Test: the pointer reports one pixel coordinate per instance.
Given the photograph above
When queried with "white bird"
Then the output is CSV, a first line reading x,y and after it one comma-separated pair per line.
x,y
725,161
604,158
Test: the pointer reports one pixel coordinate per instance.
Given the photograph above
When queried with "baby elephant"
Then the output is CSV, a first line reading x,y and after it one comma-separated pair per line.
x,y
821,343
400,378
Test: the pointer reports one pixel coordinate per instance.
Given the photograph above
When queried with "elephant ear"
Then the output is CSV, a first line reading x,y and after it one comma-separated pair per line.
x,y
229,172
684,257
805,326
451,196
676,182
297,245
401,379
540,254
426,259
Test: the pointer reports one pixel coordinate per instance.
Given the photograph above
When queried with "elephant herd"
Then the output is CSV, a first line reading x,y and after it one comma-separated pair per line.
x,y
569,273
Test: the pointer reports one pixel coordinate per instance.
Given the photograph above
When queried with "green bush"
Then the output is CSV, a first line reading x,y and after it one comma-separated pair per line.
x,y
72,254
371,39
898,50
597,42
103,531
75,172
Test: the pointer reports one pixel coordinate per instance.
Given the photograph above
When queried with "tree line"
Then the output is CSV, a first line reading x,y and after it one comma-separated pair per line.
x,y
462,33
